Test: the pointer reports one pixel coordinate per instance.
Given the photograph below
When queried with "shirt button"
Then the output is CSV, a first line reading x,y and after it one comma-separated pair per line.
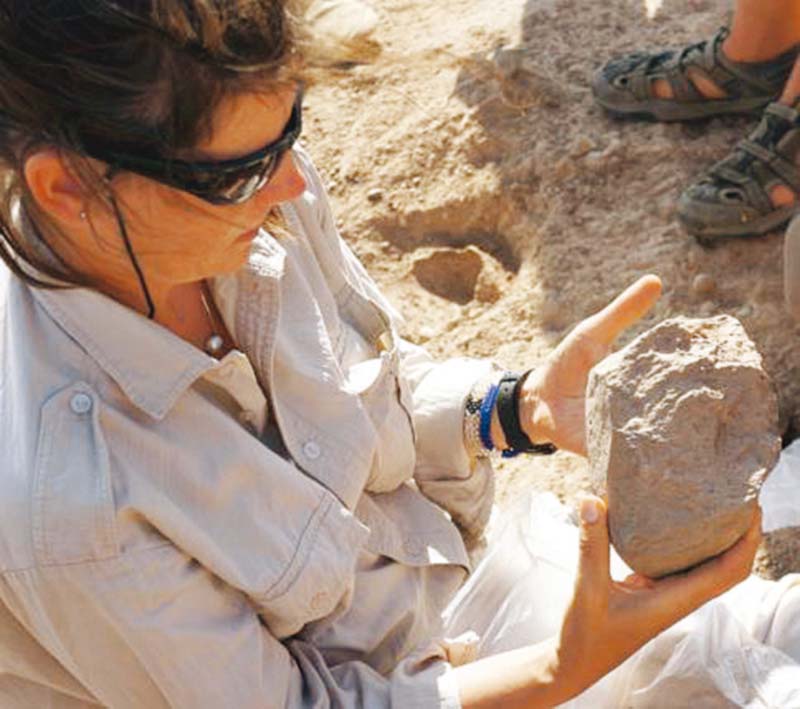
x,y
311,450
412,546
80,403
319,601
248,418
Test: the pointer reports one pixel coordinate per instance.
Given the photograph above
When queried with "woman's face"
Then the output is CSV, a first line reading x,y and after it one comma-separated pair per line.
x,y
179,238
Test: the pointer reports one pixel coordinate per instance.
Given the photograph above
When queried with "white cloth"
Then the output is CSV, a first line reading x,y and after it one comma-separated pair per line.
x,y
780,493
341,31
739,650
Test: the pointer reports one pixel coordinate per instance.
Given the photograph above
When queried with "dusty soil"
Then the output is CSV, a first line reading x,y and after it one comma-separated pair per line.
x,y
471,148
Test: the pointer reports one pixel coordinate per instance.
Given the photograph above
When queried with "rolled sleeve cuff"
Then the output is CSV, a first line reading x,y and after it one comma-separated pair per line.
x,y
439,403
434,687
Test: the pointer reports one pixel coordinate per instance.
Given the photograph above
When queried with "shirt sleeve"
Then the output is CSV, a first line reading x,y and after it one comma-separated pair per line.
x,y
445,472
155,629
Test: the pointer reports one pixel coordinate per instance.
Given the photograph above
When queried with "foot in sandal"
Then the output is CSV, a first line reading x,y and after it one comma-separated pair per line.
x,y
754,189
695,82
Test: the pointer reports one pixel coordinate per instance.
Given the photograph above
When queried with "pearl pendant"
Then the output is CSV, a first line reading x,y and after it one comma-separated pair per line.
x,y
214,344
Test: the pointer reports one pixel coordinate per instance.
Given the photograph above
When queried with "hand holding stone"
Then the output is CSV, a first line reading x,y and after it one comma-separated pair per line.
x,y
607,621
552,400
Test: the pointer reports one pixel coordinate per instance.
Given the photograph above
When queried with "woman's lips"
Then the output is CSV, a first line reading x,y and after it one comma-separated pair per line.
x,y
248,235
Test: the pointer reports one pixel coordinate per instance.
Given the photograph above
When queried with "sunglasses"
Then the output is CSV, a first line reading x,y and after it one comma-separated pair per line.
x,y
217,182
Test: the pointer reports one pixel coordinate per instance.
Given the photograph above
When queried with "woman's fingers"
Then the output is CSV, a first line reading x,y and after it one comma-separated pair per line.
x,y
693,588
626,309
637,581
734,565
593,569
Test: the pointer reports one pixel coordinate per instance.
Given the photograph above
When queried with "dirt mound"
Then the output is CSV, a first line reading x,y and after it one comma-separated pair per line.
x,y
476,127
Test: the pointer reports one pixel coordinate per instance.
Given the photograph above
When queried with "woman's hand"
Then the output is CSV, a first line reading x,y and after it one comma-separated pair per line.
x,y
607,621
553,396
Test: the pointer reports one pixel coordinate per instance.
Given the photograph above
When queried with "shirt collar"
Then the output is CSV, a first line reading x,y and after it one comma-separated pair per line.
x,y
152,365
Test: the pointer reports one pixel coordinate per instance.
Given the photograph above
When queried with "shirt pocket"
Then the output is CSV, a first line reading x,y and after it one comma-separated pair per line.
x,y
319,579
73,505
408,528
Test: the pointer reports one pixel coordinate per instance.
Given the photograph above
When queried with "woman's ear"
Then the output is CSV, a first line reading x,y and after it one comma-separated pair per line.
x,y
54,187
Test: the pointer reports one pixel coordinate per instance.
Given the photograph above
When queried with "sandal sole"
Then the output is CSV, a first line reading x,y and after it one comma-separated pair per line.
x,y
667,111
711,236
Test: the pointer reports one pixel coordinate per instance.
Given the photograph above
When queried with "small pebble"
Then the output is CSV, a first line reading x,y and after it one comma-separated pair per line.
x,y
551,313
426,332
596,161
666,209
703,284
582,145
564,169
375,195
693,258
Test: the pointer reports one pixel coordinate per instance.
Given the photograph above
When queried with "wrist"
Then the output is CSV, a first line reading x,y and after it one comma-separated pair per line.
x,y
528,677
535,415
498,437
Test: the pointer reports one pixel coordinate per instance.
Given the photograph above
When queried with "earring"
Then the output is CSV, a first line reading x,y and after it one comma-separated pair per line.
x,y
82,215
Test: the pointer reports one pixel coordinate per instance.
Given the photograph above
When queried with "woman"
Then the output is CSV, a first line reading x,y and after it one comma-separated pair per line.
x,y
225,480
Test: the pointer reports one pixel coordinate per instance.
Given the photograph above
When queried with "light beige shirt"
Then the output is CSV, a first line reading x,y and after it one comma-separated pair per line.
x,y
155,551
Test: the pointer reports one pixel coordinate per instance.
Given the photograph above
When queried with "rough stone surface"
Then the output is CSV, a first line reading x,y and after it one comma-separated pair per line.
x,y
682,429
779,554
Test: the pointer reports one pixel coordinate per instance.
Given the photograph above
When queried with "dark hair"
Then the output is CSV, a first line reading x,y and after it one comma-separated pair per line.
x,y
139,74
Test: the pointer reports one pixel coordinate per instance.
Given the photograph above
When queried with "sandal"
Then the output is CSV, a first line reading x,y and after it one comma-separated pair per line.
x,y
733,198
624,86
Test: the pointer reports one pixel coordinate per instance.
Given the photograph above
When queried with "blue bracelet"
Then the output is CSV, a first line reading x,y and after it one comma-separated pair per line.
x,y
487,407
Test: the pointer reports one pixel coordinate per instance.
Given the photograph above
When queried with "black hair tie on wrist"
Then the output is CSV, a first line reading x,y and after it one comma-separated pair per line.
x,y
517,440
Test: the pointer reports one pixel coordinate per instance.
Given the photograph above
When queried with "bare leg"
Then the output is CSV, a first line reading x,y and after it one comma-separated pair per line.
x,y
783,196
761,30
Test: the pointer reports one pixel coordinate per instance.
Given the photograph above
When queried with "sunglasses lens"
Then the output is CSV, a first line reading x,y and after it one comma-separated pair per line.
x,y
232,187
246,185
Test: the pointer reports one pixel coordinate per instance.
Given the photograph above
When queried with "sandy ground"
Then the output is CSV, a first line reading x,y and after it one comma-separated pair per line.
x,y
497,206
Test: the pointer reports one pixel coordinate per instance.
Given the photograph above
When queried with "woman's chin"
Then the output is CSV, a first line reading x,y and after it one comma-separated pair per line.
x,y
237,258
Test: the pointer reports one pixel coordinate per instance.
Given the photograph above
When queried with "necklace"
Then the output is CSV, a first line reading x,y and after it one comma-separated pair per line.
x,y
215,342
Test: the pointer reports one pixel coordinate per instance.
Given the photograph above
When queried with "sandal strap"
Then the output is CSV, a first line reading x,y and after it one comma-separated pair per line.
x,y
706,58
756,194
765,159
683,88
721,69
782,167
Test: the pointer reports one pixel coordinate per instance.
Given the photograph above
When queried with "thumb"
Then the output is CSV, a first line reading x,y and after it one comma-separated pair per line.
x,y
593,566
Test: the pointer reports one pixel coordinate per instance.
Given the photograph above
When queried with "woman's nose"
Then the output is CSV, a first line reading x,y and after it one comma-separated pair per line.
x,y
286,184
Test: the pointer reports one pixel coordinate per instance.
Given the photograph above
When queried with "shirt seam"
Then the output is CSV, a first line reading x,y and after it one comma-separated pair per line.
x,y
88,562
295,567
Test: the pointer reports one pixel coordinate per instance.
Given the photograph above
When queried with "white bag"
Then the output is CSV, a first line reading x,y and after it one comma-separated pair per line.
x,y
741,650
780,493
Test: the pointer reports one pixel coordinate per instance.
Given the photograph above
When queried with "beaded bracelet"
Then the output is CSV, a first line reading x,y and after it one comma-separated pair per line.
x,y
500,390
487,407
472,415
